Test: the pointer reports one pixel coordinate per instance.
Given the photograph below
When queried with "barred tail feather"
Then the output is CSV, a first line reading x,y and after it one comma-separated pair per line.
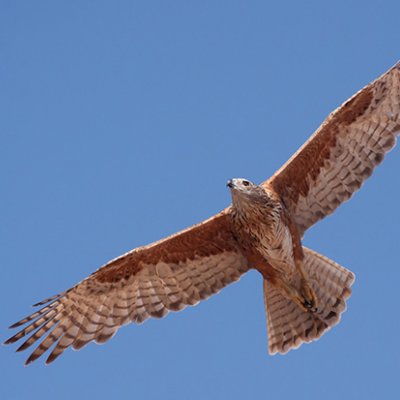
x,y
288,325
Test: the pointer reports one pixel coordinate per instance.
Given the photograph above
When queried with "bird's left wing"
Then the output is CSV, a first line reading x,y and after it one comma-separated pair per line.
x,y
342,153
147,282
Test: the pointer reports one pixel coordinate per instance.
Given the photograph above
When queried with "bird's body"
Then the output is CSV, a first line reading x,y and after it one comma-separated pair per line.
x,y
265,232
269,238
304,292
263,228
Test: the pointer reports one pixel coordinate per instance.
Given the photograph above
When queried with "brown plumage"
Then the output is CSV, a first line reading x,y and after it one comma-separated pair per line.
x,y
304,291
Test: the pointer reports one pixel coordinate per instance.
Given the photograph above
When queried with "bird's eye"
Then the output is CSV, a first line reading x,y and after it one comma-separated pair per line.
x,y
246,183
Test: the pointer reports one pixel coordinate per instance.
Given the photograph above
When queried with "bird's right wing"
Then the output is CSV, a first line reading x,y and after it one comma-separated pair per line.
x,y
342,153
147,282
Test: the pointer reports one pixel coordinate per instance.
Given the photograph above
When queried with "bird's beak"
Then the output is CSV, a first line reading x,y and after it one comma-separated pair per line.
x,y
229,184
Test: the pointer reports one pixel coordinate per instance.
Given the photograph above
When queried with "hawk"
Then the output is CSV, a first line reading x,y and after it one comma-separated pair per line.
x,y
305,293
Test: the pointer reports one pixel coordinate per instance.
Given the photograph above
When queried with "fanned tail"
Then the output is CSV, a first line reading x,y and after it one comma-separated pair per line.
x,y
288,325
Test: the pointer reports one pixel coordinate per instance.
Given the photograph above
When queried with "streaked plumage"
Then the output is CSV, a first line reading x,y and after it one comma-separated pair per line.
x,y
304,292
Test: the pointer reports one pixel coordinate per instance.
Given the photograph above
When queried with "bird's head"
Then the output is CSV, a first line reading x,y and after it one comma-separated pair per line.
x,y
241,185
244,191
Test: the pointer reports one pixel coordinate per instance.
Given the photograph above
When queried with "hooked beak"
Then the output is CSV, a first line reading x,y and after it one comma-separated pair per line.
x,y
230,184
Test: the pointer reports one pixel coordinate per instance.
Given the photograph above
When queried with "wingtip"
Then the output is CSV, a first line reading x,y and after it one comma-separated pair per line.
x,y
48,300
15,325
23,347
11,340
50,359
30,359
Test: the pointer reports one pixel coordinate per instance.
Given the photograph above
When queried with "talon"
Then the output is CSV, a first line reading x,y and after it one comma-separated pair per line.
x,y
309,304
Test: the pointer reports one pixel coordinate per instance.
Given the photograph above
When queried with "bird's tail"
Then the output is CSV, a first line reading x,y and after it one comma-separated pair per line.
x,y
289,325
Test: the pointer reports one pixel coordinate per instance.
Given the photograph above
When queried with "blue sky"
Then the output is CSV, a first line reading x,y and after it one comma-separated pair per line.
x,y
120,124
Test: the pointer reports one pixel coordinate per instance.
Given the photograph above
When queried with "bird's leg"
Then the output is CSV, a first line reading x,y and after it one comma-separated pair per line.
x,y
307,295
296,290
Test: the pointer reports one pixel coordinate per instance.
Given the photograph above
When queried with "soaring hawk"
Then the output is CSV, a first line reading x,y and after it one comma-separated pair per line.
x,y
262,229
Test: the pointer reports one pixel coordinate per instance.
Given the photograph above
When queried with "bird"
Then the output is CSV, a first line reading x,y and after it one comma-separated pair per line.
x,y
305,293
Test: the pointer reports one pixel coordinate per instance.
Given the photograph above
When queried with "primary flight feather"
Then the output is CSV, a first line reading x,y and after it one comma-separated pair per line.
x,y
304,292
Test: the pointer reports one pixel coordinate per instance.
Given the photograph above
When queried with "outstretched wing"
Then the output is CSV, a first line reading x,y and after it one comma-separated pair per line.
x,y
147,282
342,153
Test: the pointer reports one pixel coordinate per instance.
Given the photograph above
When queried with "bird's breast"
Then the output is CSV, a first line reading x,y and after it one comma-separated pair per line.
x,y
276,246
270,238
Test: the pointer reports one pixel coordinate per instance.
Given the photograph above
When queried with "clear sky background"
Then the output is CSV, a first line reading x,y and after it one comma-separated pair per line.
x,y
121,122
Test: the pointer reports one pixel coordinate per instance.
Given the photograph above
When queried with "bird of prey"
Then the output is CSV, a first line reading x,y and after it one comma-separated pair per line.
x,y
262,229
